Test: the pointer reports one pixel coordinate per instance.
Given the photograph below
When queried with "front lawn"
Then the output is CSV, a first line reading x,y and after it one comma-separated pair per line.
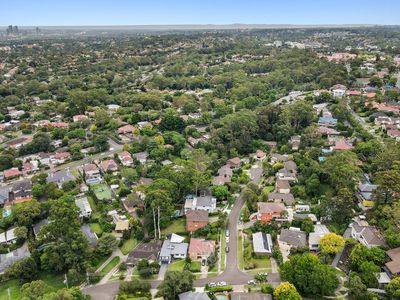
x,y
195,266
111,264
96,229
177,226
177,265
223,253
128,246
92,203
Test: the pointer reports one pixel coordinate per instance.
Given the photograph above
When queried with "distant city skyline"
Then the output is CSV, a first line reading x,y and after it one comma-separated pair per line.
x,y
166,12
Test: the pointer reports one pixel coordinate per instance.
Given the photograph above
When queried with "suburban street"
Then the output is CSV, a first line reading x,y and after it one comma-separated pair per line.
x,y
231,275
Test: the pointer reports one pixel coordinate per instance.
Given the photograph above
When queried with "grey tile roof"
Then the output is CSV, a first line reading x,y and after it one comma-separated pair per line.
x,y
294,238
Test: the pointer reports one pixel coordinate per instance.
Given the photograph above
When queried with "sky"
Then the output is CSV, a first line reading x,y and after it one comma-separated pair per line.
x,y
163,12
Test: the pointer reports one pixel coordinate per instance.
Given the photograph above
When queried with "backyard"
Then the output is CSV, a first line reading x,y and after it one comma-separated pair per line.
x,y
102,192
177,226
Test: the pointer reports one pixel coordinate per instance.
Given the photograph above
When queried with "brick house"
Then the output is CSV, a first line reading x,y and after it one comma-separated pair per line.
x,y
196,219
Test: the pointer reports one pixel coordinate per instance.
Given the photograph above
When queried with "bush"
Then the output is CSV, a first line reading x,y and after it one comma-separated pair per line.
x,y
267,289
227,288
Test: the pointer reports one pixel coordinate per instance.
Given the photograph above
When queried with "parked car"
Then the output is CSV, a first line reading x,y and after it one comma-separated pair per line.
x,y
251,282
227,239
227,249
221,283
212,284
227,232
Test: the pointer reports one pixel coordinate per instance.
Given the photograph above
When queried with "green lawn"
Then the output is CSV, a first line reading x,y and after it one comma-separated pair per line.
x,y
268,189
111,264
14,287
96,229
102,192
55,282
223,253
176,226
262,263
128,246
177,265
240,252
92,203
195,266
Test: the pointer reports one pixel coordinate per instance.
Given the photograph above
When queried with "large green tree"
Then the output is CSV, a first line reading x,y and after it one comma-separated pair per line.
x,y
175,283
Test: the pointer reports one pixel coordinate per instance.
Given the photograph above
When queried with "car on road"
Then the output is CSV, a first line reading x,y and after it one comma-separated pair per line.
x,y
221,283
251,282
227,249
227,232
263,274
227,239
212,284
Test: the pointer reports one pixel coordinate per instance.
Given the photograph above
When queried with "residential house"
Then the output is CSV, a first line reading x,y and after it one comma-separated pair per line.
x,y
174,248
120,227
295,142
60,158
8,259
366,234
201,249
366,194
91,173
299,208
196,219
327,121
205,201
342,144
287,199
30,167
224,176
109,165
278,158
262,244
144,124
282,186
60,178
126,158
260,155
78,118
285,174
266,212
127,129
141,157
149,251
38,226
234,163
394,264
20,192
255,173
314,237
194,296
18,143
8,237
291,238
84,207
394,133
12,173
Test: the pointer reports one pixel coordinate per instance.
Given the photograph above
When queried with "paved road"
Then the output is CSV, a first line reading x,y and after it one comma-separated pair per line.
x,y
289,98
231,275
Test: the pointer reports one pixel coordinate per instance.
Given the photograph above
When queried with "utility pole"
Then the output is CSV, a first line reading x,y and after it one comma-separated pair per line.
x,y
9,294
66,280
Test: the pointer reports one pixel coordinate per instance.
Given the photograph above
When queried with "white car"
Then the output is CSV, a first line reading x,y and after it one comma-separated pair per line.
x,y
251,282
221,283
212,284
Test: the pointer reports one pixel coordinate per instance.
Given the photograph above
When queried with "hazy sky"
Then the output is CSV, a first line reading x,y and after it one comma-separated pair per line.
x,y
135,12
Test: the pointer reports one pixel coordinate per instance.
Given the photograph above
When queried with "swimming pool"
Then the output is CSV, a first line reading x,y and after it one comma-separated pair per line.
x,y
221,297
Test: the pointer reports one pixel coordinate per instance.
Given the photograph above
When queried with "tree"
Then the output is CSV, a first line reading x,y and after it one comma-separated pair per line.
x,y
135,288
220,191
361,254
286,291
106,244
299,114
307,225
175,283
393,288
25,270
309,275
172,122
100,143
26,212
102,118
34,290
21,233
62,244
129,174
368,274
357,289
331,243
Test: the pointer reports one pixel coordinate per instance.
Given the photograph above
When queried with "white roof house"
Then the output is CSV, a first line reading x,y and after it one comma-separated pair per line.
x,y
262,243
8,236
84,206
314,237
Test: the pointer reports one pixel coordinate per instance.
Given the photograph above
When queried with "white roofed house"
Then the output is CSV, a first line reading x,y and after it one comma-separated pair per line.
x,y
366,234
84,207
262,243
8,237
205,201
174,248
314,237
126,158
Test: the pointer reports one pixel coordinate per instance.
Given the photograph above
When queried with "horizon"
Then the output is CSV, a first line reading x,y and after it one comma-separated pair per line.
x,y
46,13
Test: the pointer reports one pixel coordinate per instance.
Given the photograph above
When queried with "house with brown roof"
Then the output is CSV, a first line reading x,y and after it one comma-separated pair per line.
x,y
394,264
224,176
196,219
287,199
127,129
12,173
109,165
276,157
366,234
234,163
126,158
201,249
282,186
267,211
18,143
60,158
